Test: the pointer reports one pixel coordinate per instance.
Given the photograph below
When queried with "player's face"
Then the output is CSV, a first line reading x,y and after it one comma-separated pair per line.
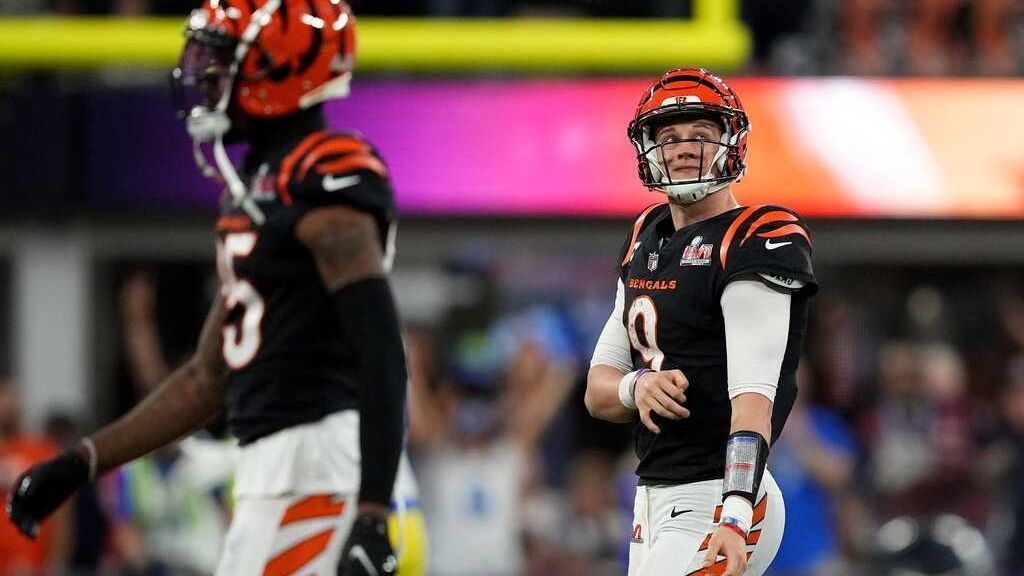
x,y
687,149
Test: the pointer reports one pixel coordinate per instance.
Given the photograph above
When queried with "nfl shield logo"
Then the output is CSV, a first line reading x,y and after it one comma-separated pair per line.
x,y
652,261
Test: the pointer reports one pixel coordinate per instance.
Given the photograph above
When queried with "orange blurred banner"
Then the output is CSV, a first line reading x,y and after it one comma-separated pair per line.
x,y
886,148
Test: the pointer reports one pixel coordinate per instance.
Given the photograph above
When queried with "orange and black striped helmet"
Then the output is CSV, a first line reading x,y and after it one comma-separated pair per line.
x,y
266,59
677,95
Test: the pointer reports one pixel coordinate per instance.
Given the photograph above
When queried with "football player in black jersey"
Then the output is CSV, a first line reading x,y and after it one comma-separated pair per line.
x,y
701,350
302,346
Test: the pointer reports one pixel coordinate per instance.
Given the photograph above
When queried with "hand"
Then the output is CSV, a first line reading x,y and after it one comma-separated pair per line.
x,y
44,487
368,550
730,544
663,394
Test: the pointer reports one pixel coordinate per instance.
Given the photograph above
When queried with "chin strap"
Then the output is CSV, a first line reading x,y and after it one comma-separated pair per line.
x,y
239,191
202,129
693,191
204,167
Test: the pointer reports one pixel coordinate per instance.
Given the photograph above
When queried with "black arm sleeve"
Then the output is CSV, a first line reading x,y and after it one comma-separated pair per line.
x,y
369,322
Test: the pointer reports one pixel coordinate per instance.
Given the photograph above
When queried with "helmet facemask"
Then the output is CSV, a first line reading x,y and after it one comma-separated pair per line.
x,y
690,190
654,161
202,82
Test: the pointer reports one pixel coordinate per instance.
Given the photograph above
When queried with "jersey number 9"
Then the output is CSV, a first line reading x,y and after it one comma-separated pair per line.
x,y
643,312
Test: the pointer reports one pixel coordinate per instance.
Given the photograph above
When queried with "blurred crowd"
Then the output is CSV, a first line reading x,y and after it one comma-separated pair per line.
x,y
915,391
887,37
791,37
904,453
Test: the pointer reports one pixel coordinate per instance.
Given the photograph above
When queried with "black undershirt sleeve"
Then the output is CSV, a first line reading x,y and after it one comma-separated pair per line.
x,y
369,322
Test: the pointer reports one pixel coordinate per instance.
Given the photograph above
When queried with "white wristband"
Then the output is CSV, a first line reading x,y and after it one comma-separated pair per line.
x,y
627,388
738,511
626,391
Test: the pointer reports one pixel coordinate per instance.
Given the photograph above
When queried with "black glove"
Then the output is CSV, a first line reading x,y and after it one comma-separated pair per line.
x,y
43,487
368,550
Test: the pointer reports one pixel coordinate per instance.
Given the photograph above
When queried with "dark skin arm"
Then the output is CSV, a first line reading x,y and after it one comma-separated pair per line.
x,y
344,243
346,248
184,402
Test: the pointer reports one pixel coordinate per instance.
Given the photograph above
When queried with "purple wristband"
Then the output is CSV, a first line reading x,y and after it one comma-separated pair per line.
x,y
636,378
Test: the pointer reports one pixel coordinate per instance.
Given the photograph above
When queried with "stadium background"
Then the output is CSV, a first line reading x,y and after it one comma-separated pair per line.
x,y
894,127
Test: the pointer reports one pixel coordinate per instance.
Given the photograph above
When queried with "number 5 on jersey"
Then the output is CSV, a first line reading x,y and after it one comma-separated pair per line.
x,y
642,311
241,342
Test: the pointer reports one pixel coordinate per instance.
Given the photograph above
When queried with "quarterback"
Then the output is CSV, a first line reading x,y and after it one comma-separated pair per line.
x,y
302,347
701,349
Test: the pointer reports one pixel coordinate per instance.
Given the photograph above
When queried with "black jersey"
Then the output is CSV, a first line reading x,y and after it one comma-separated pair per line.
x,y
674,281
282,341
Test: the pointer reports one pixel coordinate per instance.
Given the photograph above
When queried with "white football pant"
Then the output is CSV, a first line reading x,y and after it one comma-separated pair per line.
x,y
672,526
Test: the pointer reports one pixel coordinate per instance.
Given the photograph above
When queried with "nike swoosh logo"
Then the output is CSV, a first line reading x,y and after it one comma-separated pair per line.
x,y
675,513
768,244
332,184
